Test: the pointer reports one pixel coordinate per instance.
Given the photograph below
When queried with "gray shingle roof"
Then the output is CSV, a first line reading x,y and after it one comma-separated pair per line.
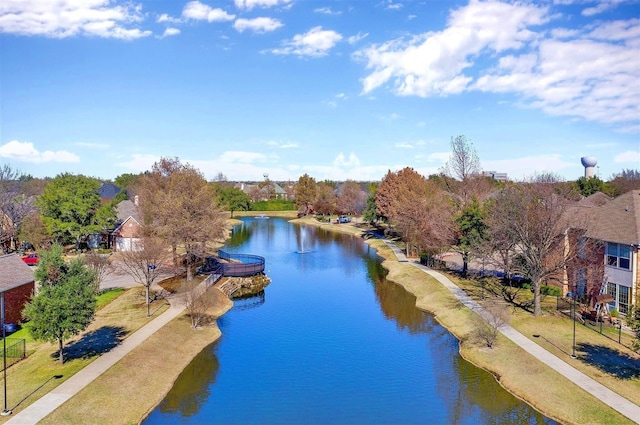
x,y
126,209
618,220
13,272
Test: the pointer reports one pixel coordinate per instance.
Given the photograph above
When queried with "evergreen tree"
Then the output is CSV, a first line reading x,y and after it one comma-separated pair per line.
x,y
66,302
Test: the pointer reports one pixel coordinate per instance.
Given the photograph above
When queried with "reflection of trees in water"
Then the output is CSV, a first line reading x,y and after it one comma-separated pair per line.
x,y
191,389
398,304
240,234
467,390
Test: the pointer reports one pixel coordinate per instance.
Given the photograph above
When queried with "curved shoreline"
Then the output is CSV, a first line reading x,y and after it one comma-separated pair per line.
x,y
529,380
526,377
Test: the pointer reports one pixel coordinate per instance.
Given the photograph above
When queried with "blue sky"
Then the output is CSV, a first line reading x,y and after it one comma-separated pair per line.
x,y
335,89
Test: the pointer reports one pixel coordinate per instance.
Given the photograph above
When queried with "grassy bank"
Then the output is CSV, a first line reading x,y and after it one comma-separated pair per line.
x,y
41,371
516,370
132,388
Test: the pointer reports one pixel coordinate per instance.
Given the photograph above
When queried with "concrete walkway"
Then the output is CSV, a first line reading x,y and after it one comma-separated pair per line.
x,y
610,398
51,401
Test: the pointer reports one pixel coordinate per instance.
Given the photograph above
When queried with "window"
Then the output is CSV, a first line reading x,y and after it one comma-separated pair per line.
x,y
619,255
623,299
620,296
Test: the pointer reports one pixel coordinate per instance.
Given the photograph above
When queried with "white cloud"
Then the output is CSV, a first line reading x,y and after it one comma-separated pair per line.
x,y
315,43
590,73
341,161
432,63
202,12
601,6
66,18
327,11
250,4
166,18
403,145
394,6
355,38
258,25
629,157
26,152
170,31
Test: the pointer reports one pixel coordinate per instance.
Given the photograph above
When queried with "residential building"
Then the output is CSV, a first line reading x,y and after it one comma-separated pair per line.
x,y
17,284
126,235
607,254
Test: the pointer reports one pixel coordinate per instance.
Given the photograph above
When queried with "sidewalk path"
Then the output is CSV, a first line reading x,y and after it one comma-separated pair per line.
x,y
610,398
63,392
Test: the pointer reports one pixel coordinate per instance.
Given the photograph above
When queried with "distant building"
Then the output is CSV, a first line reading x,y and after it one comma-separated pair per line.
x,y
501,177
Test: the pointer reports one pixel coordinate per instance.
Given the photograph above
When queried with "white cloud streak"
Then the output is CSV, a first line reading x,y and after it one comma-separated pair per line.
x,y
588,73
315,43
202,12
257,25
250,4
67,18
26,152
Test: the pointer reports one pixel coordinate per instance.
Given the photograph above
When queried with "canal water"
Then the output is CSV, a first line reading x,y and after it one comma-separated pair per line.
x,y
331,341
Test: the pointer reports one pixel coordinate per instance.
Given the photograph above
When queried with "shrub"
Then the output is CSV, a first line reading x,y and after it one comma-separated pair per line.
x,y
551,290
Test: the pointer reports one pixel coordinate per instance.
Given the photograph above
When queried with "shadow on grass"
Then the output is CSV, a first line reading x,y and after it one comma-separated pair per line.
x,y
610,361
95,343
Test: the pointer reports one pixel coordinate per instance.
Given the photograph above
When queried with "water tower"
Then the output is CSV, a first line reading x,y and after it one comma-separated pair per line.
x,y
589,164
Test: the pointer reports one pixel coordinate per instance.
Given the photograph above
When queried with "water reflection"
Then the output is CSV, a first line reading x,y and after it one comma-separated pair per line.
x,y
191,389
336,343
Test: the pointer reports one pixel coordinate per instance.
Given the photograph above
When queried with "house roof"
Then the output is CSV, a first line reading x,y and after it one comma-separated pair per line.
x,y
126,209
108,190
618,220
15,272
595,200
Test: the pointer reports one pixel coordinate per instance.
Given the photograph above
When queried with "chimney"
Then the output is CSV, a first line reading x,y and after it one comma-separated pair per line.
x,y
135,200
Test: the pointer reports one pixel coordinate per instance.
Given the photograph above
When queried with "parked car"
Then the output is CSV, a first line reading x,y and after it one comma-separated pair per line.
x,y
344,219
31,259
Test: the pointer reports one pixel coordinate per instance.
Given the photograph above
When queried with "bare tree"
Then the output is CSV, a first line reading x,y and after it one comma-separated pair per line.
x,y
199,300
145,263
488,326
464,167
305,193
100,264
180,207
417,208
531,217
351,198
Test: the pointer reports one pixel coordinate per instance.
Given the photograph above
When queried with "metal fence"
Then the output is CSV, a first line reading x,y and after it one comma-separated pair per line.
x,y
16,350
240,265
612,329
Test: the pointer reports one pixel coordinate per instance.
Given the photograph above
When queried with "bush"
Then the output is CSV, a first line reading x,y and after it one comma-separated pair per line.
x,y
550,290
273,205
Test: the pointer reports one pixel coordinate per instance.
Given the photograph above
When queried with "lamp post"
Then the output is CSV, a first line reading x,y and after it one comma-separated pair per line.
x,y
5,411
573,295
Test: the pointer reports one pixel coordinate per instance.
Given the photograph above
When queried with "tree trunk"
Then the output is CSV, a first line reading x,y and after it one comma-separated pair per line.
x,y
147,292
537,309
465,263
60,351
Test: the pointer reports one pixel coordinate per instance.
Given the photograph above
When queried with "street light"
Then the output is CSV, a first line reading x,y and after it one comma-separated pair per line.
x,y
573,295
5,411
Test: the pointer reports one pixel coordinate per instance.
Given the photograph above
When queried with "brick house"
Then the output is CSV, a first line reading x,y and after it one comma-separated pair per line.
x,y
607,255
17,283
126,235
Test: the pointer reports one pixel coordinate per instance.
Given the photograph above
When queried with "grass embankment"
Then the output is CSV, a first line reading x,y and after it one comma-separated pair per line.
x,y
284,214
41,371
516,370
130,390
